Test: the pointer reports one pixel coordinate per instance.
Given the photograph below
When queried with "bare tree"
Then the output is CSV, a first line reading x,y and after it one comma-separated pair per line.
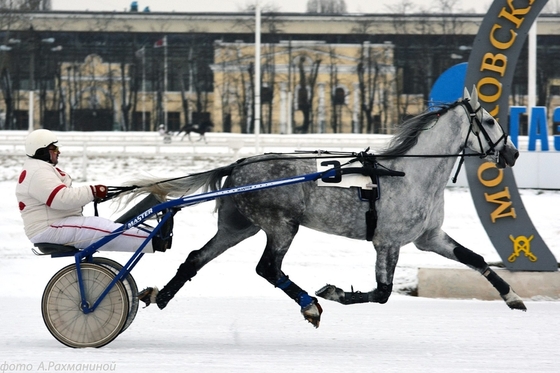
x,y
552,7
375,86
224,90
422,59
6,85
326,6
367,78
243,81
130,84
402,7
267,91
9,17
337,96
24,5
271,25
200,76
183,75
306,91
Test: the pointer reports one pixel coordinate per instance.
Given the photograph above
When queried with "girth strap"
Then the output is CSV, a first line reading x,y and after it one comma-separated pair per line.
x,y
369,168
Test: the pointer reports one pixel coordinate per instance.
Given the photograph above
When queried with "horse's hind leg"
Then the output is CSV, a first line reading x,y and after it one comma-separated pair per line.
x,y
439,242
269,267
232,229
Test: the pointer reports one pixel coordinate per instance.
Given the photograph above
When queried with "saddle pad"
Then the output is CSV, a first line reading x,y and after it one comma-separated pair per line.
x,y
348,180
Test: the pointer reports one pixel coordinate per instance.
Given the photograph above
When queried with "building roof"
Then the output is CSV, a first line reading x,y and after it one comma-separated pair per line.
x,y
292,23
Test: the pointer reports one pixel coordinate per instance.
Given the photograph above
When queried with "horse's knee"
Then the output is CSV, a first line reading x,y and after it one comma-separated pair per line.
x,y
193,258
186,271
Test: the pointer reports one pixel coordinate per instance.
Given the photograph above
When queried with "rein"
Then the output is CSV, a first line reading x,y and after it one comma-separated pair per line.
x,y
363,157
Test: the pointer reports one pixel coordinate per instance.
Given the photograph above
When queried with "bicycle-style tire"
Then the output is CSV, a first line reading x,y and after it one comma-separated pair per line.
x,y
63,315
129,285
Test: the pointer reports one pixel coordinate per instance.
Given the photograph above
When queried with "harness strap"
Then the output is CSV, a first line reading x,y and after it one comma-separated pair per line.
x,y
371,220
370,168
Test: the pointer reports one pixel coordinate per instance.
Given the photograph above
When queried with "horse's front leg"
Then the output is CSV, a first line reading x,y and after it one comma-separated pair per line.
x,y
387,257
269,267
439,242
232,229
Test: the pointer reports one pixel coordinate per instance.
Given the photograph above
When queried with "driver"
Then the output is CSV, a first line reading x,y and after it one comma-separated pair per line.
x,y
51,208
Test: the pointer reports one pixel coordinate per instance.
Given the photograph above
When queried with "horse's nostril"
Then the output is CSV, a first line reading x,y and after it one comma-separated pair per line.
x,y
516,155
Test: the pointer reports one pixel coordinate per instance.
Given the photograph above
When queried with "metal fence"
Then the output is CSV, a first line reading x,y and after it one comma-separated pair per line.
x,y
148,144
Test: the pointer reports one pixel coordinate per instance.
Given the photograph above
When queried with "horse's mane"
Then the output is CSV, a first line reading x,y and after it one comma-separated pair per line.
x,y
409,130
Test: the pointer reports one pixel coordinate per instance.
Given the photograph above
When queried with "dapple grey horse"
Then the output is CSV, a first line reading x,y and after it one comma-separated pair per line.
x,y
410,209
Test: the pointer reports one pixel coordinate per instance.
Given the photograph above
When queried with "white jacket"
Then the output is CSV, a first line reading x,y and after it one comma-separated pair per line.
x,y
45,195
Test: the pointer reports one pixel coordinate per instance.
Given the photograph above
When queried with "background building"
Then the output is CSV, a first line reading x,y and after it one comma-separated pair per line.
x,y
307,86
133,71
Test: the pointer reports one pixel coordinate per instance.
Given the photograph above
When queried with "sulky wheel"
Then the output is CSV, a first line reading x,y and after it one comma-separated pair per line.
x,y
62,313
129,285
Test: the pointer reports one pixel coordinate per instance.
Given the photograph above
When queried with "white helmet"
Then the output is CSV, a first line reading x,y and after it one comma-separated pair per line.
x,y
38,139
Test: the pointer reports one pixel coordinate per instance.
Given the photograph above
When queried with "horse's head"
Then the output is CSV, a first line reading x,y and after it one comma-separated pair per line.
x,y
486,135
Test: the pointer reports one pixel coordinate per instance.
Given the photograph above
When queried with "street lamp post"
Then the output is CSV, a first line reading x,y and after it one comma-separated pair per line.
x,y
31,112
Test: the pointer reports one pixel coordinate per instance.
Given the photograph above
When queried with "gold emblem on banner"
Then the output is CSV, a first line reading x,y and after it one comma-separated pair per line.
x,y
521,244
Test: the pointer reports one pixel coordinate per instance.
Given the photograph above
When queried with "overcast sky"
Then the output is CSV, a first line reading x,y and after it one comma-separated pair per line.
x,y
354,6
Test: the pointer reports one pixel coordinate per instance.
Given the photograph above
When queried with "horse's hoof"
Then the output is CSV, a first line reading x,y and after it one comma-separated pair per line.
x,y
331,292
513,301
312,313
517,305
148,295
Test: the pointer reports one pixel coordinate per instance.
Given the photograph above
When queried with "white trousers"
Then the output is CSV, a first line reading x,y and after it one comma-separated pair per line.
x,y
82,231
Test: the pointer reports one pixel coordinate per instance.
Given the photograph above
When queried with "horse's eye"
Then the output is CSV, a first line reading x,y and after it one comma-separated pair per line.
x,y
489,121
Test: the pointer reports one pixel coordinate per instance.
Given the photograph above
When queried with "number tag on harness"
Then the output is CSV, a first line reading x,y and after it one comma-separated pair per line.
x,y
339,180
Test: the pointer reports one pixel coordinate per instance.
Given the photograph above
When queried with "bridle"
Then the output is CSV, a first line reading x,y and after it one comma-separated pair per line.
x,y
476,128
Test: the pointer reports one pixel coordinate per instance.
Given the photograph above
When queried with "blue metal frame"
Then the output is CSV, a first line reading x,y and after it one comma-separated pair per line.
x,y
171,205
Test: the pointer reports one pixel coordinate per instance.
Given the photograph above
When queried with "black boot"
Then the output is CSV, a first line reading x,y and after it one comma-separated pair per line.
x,y
185,272
163,239
160,244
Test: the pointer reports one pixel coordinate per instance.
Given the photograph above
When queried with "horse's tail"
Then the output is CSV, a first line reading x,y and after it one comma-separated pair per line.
x,y
179,186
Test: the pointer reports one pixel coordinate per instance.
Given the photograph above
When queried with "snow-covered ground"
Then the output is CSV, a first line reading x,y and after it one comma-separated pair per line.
x,y
228,319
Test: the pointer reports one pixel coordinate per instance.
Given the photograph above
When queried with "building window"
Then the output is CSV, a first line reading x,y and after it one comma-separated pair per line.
x,y
266,95
339,97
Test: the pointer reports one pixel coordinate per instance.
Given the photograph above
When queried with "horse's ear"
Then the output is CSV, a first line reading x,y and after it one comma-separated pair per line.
x,y
474,98
466,94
